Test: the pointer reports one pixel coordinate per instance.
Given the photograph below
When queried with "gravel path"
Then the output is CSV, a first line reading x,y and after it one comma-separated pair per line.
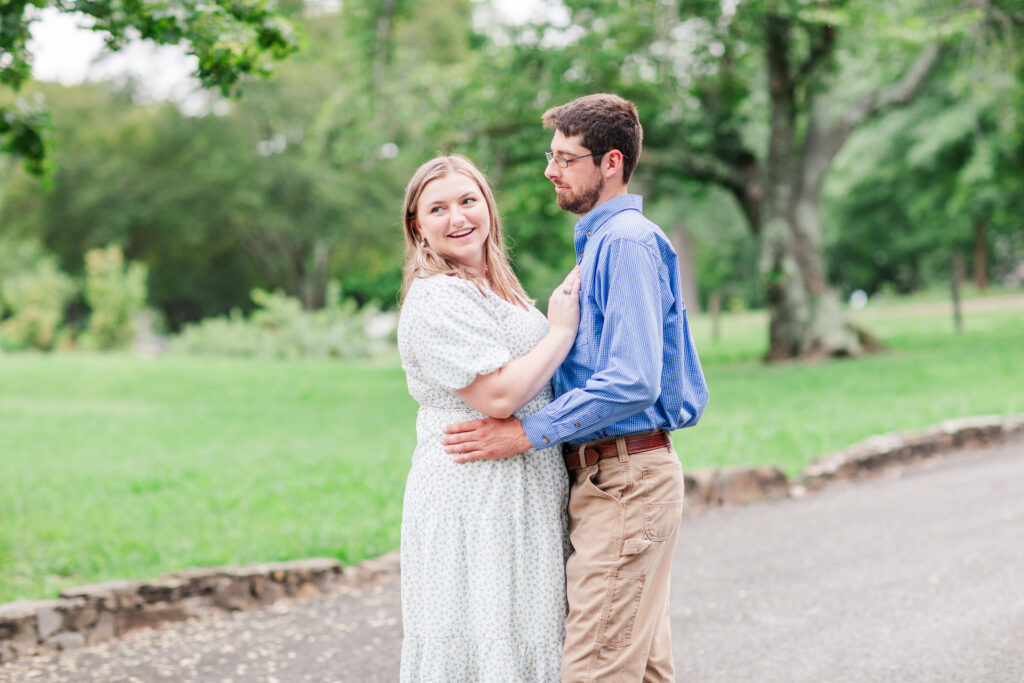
x,y
917,576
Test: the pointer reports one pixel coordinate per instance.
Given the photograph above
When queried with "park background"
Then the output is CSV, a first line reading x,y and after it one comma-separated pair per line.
x,y
197,294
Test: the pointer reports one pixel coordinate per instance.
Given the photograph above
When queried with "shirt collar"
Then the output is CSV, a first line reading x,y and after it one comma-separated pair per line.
x,y
592,221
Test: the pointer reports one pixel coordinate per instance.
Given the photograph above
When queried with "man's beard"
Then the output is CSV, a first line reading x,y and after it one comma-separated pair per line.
x,y
583,202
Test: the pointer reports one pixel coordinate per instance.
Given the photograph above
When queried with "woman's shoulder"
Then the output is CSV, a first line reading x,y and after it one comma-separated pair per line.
x,y
432,288
436,293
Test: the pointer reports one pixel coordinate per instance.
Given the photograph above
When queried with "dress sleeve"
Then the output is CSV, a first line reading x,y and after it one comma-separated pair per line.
x,y
459,335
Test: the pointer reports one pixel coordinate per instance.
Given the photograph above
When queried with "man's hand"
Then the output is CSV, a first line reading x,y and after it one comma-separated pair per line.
x,y
487,439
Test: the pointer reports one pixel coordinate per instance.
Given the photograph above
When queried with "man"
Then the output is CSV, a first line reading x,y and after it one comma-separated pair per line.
x,y
632,376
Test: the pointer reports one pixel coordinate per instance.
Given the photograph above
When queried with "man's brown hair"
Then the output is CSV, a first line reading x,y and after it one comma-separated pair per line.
x,y
604,122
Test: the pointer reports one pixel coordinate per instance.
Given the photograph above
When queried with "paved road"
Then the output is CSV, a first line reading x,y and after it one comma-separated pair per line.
x,y
918,576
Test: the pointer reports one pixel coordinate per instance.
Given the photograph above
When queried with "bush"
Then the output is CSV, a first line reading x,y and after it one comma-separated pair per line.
x,y
116,293
281,328
34,298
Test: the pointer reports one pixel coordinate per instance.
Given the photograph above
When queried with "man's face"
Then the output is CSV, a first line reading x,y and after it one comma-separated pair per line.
x,y
578,187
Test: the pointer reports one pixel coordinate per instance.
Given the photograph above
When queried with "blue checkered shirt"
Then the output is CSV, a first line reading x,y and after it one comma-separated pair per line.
x,y
633,367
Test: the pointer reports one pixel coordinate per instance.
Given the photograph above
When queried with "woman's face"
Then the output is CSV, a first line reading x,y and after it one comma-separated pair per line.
x,y
452,216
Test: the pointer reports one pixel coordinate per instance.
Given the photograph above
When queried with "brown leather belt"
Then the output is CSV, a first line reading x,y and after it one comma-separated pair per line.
x,y
586,454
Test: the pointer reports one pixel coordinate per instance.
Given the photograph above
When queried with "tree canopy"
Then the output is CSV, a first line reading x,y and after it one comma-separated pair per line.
x,y
793,151
230,39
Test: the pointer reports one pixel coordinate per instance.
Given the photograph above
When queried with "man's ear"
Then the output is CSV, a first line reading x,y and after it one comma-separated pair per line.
x,y
613,163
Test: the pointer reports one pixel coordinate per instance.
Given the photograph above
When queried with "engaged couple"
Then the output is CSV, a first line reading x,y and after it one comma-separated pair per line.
x,y
544,499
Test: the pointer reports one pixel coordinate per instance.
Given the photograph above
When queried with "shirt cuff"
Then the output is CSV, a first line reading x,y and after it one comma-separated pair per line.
x,y
539,430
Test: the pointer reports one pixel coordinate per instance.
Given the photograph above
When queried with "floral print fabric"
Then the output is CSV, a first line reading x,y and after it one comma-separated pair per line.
x,y
483,543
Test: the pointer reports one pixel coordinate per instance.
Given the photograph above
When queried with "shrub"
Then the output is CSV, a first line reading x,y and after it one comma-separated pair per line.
x,y
116,293
281,328
34,298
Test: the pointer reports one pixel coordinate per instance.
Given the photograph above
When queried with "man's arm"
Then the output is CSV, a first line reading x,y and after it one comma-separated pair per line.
x,y
487,439
630,382
627,378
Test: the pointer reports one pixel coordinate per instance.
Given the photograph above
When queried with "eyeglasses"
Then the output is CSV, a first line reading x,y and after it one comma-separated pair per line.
x,y
562,161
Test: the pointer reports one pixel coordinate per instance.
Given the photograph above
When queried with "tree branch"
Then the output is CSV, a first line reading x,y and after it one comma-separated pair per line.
x,y
824,141
894,95
740,177
704,168
821,46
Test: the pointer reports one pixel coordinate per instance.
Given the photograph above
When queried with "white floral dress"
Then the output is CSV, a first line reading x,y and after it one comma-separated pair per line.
x,y
483,543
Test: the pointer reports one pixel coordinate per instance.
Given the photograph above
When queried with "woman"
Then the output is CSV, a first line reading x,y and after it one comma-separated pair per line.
x,y
483,543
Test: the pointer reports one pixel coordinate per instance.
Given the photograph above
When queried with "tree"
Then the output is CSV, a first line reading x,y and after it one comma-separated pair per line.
x,y
172,190
230,39
943,175
295,185
757,97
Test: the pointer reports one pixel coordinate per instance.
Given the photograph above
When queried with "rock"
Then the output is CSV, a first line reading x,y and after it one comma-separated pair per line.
x,y
234,594
315,564
931,441
166,589
741,485
364,572
196,581
307,590
113,595
81,618
18,626
269,593
700,490
974,431
64,641
149,616
105,627
48,620
197,606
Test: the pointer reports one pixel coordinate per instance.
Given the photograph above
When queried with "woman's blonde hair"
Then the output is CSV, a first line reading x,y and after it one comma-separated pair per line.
x,y
422,261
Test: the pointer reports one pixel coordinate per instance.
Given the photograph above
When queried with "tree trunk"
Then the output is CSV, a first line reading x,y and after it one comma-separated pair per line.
x,y
806,317
683,243
915,273
980,255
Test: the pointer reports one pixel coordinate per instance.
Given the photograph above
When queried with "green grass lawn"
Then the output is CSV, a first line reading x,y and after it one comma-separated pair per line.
x,y
124,467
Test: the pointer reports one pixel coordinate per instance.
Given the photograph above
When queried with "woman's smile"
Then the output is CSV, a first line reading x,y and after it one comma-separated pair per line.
x,y
452,216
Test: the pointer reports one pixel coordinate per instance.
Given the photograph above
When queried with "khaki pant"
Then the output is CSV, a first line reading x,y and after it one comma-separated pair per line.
x,y
624,516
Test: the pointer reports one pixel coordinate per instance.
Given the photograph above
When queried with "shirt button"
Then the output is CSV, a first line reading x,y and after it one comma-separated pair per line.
x,y
588,234
546,440
577,424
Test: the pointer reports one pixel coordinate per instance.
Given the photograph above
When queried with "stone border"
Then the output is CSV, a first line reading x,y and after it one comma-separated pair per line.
x,y
108,610
879,453
741,485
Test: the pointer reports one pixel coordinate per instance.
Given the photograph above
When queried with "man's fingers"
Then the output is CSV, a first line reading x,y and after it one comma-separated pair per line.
x,y
458,447
467,426
470,457
457,437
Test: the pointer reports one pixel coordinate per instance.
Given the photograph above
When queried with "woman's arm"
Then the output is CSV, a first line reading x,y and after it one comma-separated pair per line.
x,y
501,393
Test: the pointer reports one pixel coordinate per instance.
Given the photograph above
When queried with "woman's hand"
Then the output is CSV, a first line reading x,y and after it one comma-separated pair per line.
x,y
501,393
564,305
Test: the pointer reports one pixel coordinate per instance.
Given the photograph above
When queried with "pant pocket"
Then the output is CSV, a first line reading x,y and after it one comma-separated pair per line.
x,y
621,603
663,500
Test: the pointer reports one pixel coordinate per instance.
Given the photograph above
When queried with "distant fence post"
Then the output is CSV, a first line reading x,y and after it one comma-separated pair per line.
x,y
715,304
958,276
